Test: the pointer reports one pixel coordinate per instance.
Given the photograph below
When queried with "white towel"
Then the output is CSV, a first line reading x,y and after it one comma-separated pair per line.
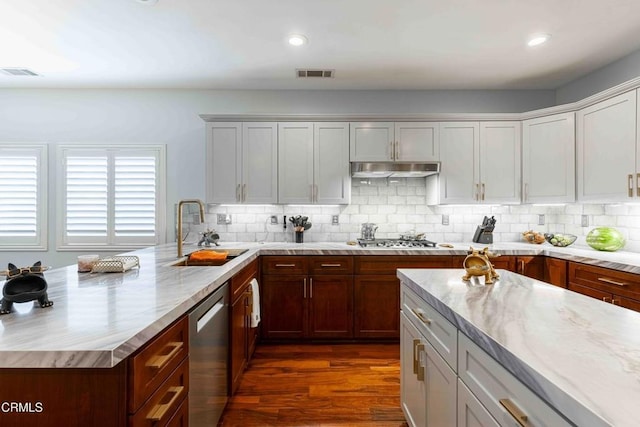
x,y
255,311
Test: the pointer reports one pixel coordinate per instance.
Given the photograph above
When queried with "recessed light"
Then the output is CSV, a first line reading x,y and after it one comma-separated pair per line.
x,y
297,39
538,39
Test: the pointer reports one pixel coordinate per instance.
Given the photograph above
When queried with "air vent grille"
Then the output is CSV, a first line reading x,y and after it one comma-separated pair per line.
x,y
315,73
19,72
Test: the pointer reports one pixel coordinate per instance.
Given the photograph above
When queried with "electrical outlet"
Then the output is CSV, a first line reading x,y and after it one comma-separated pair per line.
x,y
541,219
584,221
335,219
445,219
224,219
274,219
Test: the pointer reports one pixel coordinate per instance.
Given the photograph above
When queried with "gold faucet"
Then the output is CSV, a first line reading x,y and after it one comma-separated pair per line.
x,y
179,214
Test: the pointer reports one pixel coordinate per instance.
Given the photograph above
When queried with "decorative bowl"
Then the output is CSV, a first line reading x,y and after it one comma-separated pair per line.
x,y
560,240
533,237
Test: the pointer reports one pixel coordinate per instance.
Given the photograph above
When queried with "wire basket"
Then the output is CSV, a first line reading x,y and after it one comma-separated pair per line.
x,y
115,264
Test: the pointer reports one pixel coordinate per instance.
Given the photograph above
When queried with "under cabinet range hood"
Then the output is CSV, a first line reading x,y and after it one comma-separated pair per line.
x,y
395,170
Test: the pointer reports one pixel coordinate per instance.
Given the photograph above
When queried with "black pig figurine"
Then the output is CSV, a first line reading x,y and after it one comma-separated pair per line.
x,y
23,285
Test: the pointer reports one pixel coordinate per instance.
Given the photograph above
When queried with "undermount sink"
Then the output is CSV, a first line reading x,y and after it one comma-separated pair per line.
x,y
231,254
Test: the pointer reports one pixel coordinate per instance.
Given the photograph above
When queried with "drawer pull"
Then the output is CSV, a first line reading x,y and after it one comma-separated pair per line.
x,y
420,373
612,282
421,316
520,417
160,410
416,363
285,265
605,299
160,360
330,265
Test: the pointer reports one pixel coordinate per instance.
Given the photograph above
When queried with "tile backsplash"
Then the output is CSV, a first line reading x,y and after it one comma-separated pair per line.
x,y
398,206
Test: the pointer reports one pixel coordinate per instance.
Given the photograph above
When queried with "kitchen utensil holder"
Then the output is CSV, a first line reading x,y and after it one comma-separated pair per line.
x,y
482,235
299,236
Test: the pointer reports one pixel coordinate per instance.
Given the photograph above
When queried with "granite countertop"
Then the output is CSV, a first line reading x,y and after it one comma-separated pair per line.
x,y
97,320
581,356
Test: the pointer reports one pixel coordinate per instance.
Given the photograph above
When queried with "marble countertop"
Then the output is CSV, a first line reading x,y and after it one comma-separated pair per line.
x,y
581,356
97,320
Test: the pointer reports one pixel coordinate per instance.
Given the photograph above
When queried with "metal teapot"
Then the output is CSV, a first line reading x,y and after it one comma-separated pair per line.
x,y
368,231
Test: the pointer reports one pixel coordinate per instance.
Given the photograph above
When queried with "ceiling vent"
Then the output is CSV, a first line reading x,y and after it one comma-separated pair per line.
x,y
19,72
315,73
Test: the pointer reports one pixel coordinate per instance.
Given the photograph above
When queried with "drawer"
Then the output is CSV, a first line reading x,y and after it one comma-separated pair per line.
x,y
470,410
388,264
440,333
241,280
163,405
605,279
181,417
151,366
331,265
501,393
284,265
590,292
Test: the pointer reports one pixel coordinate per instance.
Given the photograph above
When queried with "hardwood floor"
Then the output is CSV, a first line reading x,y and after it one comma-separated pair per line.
x,y
319,385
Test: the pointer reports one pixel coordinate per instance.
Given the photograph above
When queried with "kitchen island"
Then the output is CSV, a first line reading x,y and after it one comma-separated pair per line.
x,y
99,322
579,356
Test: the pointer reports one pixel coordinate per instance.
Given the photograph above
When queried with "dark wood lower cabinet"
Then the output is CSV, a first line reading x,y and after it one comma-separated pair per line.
x,y
611,286
283,307
330,306
555,272
377,307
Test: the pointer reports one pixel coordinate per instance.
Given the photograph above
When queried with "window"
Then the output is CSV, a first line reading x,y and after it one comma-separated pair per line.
x,y
111,197
23,196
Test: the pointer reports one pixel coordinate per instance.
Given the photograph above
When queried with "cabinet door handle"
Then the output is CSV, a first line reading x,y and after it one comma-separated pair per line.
x,y
612,282
304,288
517,414
311,191
285,265
638,184
397,150
605,299
630,177
477,191
416,363
330,265
244,192
159,361
316,187
483,191
391,150
238,196
311,288
614,301
420,374
160,410
421,316
522,266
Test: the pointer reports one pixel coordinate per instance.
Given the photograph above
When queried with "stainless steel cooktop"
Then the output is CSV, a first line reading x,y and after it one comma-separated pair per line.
x,y
397,243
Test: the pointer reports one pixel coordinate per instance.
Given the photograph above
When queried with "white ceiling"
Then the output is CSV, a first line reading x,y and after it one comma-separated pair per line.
x,y
371,44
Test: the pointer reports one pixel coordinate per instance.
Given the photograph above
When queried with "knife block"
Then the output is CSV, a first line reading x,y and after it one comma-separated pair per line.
x,y
482,235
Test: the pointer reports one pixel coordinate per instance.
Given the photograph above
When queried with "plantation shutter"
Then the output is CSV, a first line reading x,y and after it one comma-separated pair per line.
x,y
112,196
22,197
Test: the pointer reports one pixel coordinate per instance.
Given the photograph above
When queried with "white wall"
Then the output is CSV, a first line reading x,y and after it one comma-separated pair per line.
x,y
171,117
400,207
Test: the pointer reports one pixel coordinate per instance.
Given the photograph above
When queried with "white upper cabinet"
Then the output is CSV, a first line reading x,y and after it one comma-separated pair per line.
x,y
548,159
372,142
607,166
459,169
242,162
480,162
417,142
394,142
500,162
314,163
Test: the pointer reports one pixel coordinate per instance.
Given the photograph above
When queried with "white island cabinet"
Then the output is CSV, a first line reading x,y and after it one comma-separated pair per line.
x,y
526,353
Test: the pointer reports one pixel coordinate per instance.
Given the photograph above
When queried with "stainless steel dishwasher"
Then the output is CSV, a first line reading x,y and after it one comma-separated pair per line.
x,y
208,355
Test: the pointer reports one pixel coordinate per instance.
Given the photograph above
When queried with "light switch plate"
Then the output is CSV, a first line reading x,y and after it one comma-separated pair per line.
x,y
224,219
541,219
445,219
585,221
